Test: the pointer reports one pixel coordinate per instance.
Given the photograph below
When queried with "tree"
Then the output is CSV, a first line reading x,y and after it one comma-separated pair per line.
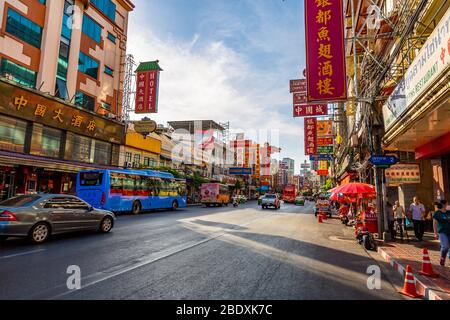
x,y
328,185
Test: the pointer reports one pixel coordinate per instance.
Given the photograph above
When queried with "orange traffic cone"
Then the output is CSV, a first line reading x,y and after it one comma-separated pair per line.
x,y
409,289
319,218
427,267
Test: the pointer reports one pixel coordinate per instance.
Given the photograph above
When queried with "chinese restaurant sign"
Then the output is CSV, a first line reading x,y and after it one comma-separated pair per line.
x,y
310,110
299,97
403,174
297,85
147,92
325,56
324,128
324,142
310,136
31,106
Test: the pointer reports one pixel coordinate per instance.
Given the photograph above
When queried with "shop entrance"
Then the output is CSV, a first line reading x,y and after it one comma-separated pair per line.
x,y
7,185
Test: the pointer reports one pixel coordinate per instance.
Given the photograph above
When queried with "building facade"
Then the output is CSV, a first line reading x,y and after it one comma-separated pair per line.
x,y
61,79
141,152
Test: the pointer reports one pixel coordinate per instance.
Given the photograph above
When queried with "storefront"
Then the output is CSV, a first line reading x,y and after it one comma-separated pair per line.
x,y
417,116
44,142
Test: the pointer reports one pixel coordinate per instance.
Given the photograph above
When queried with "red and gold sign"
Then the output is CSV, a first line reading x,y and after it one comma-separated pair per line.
x,y
325,55
310,136
147,92
322,172
325,128
310,110
299,97
297,85
321,142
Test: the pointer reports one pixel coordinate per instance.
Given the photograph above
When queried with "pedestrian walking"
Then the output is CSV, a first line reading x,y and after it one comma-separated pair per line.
x,y
441,226
445,204
399,216
417,210
390,219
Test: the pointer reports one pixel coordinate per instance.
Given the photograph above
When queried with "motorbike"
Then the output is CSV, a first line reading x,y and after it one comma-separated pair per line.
x,y
364,237
235,202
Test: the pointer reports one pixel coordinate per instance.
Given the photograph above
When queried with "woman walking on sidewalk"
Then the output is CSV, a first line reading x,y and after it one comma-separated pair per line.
x,y
399,214
441,226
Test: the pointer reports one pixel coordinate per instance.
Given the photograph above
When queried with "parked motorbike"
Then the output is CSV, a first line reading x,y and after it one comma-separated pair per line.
x,y
364,237
235,202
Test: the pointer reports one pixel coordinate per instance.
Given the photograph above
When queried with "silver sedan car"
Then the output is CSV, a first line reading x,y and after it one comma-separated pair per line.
x,y
40,216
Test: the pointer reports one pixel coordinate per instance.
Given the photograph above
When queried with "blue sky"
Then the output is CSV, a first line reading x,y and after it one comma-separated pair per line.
x,y
225,60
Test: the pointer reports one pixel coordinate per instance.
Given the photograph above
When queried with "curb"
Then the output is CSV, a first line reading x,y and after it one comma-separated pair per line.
x,y
422,288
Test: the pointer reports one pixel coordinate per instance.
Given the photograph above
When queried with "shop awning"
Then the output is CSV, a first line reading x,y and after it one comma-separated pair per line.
x,y
14,159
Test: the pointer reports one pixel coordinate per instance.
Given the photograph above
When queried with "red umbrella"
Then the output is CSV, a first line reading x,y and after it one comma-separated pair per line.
x,y
334,197
356,188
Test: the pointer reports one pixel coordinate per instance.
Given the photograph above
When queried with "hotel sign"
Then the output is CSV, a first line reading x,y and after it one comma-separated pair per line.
x,y
36,107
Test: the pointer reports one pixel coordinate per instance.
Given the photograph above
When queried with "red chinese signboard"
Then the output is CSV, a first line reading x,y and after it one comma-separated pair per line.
x,y
310,136
324,142
297,85
325,56
147,92
310,110
299,97
322,172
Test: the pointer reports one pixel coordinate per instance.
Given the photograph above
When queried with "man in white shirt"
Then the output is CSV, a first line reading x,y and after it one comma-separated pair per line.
x,y
417,211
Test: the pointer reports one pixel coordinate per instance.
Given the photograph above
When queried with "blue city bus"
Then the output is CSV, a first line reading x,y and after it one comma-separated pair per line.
x,y
133,191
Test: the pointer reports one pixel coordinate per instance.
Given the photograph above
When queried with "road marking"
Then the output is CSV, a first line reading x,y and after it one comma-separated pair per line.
x,y
22,253
100,276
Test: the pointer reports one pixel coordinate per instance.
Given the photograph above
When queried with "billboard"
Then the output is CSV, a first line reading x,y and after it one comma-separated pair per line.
x,y
147,91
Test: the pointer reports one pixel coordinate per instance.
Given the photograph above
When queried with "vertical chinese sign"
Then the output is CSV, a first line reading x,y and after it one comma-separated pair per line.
x,y
147,85
310,136
325,55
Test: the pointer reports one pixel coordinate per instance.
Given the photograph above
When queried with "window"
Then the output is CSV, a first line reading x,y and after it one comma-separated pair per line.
x,y
92,29
12,134
17,73
107,7
137,160
45,141
66,203
128,157
88,66
112,37
109,71
78,148
102,152
23,28
61,89
146,162
91,178
84,101
20,201
106,106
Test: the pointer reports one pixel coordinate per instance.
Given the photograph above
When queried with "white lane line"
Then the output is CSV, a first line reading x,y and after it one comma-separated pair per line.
x,y
100,276
22,253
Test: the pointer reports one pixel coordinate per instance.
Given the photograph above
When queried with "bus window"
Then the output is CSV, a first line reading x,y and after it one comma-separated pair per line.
x,y
128,185
116,182
91,179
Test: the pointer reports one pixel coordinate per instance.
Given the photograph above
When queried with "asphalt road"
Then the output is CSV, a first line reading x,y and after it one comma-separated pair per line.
x,y
197,253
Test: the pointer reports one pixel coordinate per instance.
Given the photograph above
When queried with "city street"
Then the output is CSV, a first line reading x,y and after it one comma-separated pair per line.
x,y
197,253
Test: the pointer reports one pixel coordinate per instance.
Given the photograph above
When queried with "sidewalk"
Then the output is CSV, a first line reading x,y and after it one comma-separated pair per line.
x,y
402,253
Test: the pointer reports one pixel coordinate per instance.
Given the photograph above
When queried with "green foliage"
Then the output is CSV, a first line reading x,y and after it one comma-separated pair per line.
x,y
328,185
238,185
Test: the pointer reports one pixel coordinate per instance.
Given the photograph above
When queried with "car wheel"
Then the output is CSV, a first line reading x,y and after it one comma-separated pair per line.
x,y
174,205
3,238
106,225
136,207
39,233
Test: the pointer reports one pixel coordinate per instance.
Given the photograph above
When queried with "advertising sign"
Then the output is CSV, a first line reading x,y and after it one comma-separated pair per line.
x,y
321,142
325,56
324,128
383,160
403,174
299,97
318,157
430,62
145,126
239,171
297,85
325,150
322,172
310,136
310,110
147,92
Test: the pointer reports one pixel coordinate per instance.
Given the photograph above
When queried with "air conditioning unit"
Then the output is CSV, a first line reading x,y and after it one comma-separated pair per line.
x,y
128,164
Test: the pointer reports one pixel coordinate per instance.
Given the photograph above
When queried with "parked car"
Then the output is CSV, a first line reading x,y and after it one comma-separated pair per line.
x,y
299,201
271,200
40,216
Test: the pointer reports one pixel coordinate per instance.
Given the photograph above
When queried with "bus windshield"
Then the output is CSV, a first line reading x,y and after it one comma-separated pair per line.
x,y
88,179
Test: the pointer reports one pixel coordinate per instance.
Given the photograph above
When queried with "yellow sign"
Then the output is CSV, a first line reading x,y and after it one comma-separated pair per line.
x,y
323,165
324,128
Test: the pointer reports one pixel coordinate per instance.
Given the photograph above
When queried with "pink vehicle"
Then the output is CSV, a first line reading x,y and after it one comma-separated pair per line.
x,y
216,194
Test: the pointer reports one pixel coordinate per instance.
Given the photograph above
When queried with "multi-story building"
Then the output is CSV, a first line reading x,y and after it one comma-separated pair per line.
x,y
141,152
61,79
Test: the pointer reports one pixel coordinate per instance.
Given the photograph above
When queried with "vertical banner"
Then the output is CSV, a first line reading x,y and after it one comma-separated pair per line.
x,y
147,92
325,53
310,136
